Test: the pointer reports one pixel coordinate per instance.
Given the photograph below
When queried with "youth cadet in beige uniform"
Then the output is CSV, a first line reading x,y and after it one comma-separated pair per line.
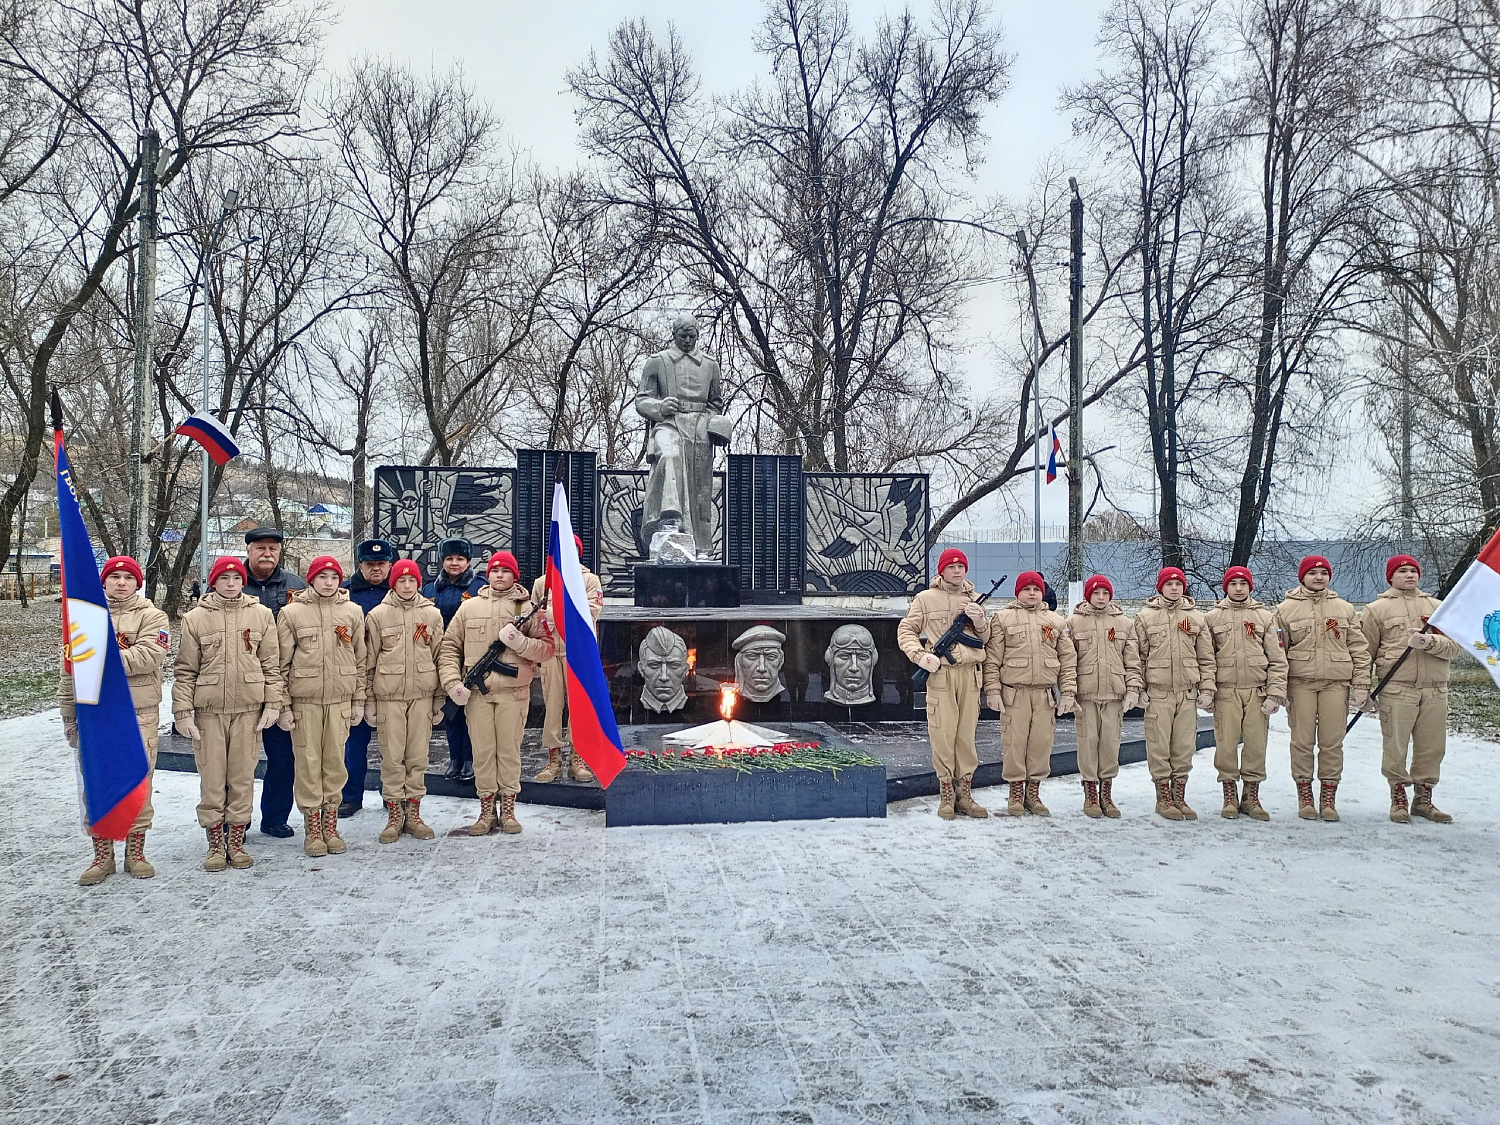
x,y
555,680
1027,657
953,689
1100,633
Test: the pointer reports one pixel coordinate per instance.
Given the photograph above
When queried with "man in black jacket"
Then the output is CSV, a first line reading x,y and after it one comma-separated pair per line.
x,y
367,588
274,587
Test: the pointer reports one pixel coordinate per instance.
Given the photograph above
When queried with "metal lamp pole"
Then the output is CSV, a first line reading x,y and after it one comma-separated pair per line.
x,y
1034,354
231,198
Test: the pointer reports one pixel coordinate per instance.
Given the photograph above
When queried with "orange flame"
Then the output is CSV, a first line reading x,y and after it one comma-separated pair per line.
x,y
692,660
728,693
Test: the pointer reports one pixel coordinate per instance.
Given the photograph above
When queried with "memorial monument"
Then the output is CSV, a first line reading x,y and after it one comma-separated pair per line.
x,y
851,656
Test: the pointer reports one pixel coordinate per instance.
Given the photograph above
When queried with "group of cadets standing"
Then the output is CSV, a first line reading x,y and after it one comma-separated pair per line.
x,y
308,668
1241,661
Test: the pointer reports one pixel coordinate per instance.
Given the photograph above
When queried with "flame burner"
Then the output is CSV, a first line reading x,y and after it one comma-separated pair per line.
x,y
729,693
727,733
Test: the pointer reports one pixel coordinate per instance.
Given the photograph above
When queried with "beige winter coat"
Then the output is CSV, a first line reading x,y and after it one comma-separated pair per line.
x,y
1386,624
1100,637
591,587
322,648
141,631
1247,647
1322,638
1029,646
1169,648
931,612
478,622
401,649
229,659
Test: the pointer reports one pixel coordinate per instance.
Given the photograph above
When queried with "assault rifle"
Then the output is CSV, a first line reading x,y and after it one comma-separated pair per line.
x,y
491,660
956,635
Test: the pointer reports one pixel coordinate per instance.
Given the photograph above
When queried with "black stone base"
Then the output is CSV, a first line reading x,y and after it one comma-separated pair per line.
x,y
687,586
727,796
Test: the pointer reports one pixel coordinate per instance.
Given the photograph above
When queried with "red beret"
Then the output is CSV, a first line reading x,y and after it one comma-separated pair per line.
x,y
125,563
1392,564
405,566
952,555
1030,578
324,562
1166,574
223,564
1313,561
1238,572
505,559
1095,583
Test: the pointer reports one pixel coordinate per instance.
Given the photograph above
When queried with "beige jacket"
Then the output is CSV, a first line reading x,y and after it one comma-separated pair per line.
x,y
1029,646
1169,648
931,612
322,648
1247,647
479,621
1386,624
229,659
141,631
591,586
401,649
1101,638
1322,638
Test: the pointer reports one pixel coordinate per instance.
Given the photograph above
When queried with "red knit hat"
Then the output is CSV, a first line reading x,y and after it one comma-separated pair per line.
x,y
125,563
1098,581
952,555
1030,578
322,563
1392,564
1237,572
1166,574
578,542
1310,562
505,559
226,563
405,566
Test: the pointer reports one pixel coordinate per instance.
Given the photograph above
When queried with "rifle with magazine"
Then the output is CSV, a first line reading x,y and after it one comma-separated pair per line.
x,y
957,634
492,660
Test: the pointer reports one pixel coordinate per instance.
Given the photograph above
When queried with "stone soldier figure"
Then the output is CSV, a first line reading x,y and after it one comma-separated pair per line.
x,y
662,660
680,395
851,657
758,660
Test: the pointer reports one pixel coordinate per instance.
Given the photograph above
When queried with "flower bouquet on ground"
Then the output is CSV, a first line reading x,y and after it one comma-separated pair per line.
x,y
779,757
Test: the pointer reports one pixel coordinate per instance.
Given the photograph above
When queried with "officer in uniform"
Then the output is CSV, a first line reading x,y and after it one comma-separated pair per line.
x,y
367,589
455,583
273,585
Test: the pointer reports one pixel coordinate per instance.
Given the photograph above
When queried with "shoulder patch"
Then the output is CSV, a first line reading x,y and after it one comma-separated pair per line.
x,y
164,638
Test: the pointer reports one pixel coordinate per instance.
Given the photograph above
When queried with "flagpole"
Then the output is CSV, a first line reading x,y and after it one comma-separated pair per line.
x,y
62,570
231,198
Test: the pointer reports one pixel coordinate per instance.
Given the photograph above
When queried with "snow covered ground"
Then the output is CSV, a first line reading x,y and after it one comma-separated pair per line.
x,y
899,970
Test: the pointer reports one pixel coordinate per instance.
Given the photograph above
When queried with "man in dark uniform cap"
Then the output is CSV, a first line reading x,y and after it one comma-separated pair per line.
x,y
367,588
274,587
454,583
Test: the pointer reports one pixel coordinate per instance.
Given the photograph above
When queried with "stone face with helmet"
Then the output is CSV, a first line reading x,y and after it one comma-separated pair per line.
x,y
1027,658
143,635
367,588
1249,686
1328,672
1100,633
1414,702
952,689
321,635
454,584
555,680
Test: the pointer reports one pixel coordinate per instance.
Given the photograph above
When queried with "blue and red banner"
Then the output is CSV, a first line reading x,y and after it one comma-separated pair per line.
x,y
1054,448
112,765
212,435
592,719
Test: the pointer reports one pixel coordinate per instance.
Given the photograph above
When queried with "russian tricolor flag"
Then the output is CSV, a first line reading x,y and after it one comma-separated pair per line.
x,y
1470,614
1054,448
111,756
212,435
590,715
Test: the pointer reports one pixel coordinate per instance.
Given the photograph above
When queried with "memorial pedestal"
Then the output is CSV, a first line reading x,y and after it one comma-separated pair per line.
x,y
687,586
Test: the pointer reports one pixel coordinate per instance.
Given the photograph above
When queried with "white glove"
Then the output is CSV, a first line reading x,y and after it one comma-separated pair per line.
x,y
459,694
268,717
1131,701
286,720
1206,701
437,714
1420,640
994,701
1066,704
189,729
70,732
1269,706
929,661
358,714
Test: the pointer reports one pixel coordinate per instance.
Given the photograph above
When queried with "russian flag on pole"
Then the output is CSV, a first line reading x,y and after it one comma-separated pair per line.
x,y
1470,614
590,715
111,756
1054,448
212,435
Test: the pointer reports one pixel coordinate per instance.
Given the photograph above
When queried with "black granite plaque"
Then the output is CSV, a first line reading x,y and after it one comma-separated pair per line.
x,y
686,586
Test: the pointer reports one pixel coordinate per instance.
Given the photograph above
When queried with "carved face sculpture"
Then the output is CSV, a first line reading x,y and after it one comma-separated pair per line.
x,y
757,663
685,334
663,662
851,659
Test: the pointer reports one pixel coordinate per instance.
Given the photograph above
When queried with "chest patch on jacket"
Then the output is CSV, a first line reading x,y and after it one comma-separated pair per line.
x,y
420,634
245,636
122,640
1332,626
1186,626
342,633
1111,633
1251,631
1049,634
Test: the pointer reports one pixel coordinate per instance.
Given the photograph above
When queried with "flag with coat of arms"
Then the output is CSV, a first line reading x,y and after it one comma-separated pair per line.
x,y
1470,614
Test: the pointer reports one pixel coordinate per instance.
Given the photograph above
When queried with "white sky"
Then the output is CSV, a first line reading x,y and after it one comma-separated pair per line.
x,y
518,55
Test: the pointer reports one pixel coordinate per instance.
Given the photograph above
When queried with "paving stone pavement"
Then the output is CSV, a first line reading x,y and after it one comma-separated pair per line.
x,y
1034,970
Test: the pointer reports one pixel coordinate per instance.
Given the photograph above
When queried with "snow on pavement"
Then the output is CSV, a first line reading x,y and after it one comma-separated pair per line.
x,y
901,970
